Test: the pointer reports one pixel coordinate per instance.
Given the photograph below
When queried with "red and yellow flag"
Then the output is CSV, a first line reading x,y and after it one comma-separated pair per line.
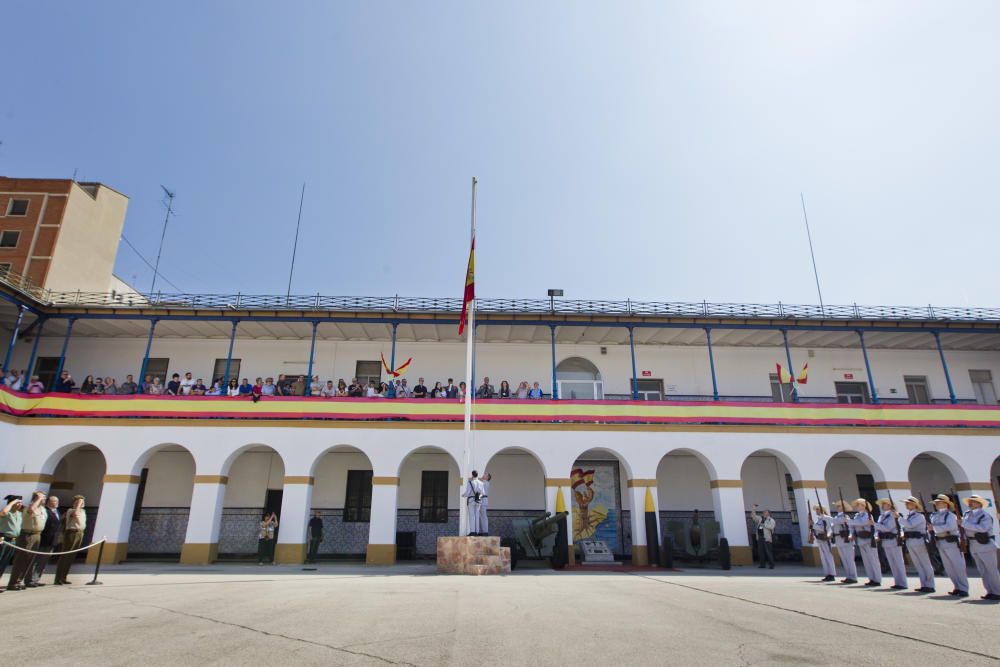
x,y
470,287
804,375
784,377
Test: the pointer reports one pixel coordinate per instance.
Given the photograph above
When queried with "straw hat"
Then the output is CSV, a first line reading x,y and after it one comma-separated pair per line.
x,y
941,498
885,501
977,499
840,505
863,503
916,502
819,508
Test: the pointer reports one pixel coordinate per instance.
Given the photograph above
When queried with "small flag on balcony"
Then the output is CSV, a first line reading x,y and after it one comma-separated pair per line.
x,y
804,375
470,287
784,377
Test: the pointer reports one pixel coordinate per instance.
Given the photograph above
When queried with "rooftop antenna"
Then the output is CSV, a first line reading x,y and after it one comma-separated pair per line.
x,y
170,211
295,245
805,217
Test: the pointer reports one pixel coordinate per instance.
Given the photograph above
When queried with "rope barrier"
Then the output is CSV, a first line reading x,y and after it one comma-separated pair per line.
x,y
8,543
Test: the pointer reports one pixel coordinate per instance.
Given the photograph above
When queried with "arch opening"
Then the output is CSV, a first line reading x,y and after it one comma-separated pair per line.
x,y
255,488
163,503
579,378
599,501
79,469
686,505
427,505
767,477
342,494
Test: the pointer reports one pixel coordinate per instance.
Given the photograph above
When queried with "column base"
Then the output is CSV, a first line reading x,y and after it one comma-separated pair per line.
x,y
114,553
810,556
640,555
381,554
741,555
571,555
290,554
193,553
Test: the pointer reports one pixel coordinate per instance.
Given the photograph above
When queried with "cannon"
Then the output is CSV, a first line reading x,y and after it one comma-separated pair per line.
x,y
540,538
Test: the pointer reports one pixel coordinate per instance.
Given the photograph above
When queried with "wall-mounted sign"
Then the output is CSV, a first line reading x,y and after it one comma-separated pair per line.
x,y
647,374
848,376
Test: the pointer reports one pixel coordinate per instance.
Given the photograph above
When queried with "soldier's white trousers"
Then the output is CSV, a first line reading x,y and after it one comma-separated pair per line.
x,y
894,554
954,564
921,561
826,558
474,508
846,551
484,521
869,556
985,556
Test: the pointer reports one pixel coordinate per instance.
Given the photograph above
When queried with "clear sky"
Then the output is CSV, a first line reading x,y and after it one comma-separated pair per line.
x,y
653,151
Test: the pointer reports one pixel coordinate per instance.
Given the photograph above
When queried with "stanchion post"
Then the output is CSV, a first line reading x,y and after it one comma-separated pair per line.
x,y
97,568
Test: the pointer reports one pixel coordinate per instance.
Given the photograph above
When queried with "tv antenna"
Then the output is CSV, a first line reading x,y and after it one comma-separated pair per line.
x,y
169,194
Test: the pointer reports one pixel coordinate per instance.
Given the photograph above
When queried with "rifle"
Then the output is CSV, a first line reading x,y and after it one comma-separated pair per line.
x,y
929,537
846,531
963,541
895,515
819,505
809,515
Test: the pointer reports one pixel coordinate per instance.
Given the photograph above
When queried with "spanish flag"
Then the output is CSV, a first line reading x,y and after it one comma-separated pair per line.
x,y
784,377
470,287
804,375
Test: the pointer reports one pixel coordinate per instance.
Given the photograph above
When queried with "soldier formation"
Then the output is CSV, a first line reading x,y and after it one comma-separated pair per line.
x,y
913,532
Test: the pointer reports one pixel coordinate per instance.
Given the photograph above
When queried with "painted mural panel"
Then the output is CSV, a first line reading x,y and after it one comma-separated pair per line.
x,y
596,504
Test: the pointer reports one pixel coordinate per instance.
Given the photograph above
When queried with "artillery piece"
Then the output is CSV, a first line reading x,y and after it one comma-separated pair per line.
x,y
544,537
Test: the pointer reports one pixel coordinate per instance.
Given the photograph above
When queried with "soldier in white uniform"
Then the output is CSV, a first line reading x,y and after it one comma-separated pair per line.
x,y
843,538
944,524
864,536
821,535
473,494
887,530
978,525
914,526
484,521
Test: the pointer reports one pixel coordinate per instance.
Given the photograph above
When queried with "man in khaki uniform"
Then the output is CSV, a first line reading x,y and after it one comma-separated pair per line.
x,y
32,523
74,523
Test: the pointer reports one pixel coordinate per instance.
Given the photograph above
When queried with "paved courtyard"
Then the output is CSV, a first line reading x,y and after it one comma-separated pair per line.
x,y
343,614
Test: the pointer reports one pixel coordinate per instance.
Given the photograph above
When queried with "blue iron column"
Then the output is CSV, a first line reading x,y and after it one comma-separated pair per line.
x,y
555,387
635,380
312,354
868,367
13,340
711,364
944,364
788,356
145,357
392,352
62,355
34,352
229,357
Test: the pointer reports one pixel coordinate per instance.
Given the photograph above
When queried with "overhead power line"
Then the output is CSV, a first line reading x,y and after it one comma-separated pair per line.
x,y
149,264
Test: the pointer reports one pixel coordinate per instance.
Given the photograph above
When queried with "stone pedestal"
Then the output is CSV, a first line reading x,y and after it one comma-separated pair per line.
x,y
472,555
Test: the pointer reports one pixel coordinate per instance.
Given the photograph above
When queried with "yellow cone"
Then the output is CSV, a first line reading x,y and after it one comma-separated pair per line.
x,y
560,505
650,506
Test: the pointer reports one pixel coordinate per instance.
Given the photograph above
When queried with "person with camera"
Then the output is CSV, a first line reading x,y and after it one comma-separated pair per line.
x,y
265,538
978,525
765,526
10,528
33,519
473,494
74,524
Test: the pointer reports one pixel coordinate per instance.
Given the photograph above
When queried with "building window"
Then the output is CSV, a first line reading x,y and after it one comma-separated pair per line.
x,y
219,371
45,369
157,368
982,384
852,392
433,496
866,488
17,207
790,490
4,269
358,501
916,389
780,393
648,390
368,372
578,378
139,494
8,239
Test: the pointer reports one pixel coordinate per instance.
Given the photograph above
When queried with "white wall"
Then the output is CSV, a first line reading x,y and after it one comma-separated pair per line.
x,y
330,478
170,480
410,474
84,469
682,483
928,476
764,483
250,476
741,371
841,475
518,482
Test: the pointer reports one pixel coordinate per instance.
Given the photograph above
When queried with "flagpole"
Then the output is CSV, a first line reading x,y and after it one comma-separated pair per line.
x,y
470,387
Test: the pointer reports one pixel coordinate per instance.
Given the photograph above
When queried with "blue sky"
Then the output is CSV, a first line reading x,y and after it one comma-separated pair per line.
x,y
653,151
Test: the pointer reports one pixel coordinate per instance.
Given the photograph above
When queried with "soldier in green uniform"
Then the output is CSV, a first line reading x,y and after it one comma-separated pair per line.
x,y
32,522
74,523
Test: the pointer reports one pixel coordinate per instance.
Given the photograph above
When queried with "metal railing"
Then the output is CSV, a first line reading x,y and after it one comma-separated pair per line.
x,y
398,304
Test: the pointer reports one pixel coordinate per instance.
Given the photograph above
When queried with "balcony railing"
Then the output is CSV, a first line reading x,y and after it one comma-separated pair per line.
x,y
400,304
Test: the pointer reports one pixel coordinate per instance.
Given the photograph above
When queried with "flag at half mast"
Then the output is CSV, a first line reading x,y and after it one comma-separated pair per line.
x,y
470,287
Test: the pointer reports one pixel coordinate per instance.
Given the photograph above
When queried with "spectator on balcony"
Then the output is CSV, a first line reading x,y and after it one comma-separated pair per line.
x,y
233,388
504,389
451,391
216,389
438,391
522,390
403,391
257,390
420,391
98,386
246,388
65,383
299,386
197,389
155,387
146,383
341,389
35,386
88,385
355,389
127,387
13,380
186,385
370,391
269,388
462,391
486,390
111,387
315,387
329,391
174,386
283,386
389,389
535,391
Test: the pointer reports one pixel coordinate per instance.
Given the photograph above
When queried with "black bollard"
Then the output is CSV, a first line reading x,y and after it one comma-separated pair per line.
x,y
725,558
652,538
97,569
667,553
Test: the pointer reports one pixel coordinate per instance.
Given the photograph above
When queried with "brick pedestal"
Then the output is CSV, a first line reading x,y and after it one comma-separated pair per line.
x,y
472,555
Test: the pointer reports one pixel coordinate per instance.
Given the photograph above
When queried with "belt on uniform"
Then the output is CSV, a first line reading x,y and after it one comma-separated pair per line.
x,y
948,538
73,530
29,532
863,534
913,535
884,533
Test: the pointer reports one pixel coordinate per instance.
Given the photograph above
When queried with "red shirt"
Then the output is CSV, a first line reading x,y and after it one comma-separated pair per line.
x,y
256,389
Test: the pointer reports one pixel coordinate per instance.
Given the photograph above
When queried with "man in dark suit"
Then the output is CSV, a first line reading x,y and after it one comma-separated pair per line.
x,y
49,538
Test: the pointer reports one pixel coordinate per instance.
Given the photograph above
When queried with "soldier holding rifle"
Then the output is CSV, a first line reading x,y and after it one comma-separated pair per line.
x,y
821,534
914,526
864,535
945,524
978,525
887,531
843,536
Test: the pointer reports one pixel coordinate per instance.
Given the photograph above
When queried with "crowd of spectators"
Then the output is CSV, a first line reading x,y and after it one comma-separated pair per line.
x,y
286,385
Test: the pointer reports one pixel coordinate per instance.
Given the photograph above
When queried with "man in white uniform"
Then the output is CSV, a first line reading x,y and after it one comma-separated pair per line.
x,y
864,535
484,521
473,494
888,537
821,535
914,526
944,523
843,535
978,525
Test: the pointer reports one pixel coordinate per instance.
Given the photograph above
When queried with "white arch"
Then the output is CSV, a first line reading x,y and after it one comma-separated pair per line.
x,y
427,449
626,466
784,457
53,460
520,450
236,453
342,447
874,468
705,461
143,459
958,474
